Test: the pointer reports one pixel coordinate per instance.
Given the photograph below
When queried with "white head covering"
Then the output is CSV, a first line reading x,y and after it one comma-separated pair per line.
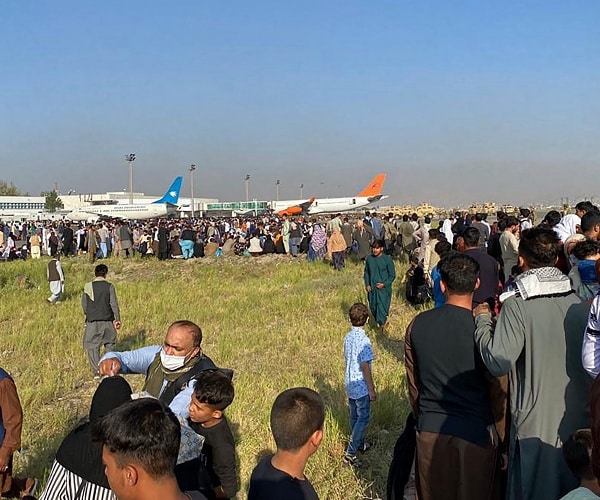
x,y
567,226
447,230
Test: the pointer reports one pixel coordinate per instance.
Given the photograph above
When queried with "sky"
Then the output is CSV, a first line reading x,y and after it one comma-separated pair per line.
x,y
457,101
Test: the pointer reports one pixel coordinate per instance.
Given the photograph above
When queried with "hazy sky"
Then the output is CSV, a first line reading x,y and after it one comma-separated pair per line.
x,y
458,101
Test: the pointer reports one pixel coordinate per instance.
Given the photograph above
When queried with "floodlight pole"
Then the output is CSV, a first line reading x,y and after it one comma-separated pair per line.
x,y
130,158
277,183
301,188
247,178
192,168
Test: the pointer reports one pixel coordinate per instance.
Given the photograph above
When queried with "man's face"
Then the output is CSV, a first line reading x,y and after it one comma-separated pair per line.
x,y
114,473
377,251
200,412
180,342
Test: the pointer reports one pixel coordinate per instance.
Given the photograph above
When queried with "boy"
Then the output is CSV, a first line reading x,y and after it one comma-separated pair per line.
x,y
577,452
213,393
297,419
379,276
358,381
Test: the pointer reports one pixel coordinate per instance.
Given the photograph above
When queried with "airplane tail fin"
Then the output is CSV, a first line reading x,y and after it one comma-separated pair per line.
x,y
172,194
374,187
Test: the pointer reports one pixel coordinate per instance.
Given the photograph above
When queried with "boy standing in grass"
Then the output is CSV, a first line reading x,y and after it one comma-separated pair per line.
x,y
358,380
379,276
213,393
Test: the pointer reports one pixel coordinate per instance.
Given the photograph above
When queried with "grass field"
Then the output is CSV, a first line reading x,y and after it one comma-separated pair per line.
x,y
277,322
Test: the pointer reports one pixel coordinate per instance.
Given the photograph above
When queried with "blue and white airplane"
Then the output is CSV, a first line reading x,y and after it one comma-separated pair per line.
x,y
163,207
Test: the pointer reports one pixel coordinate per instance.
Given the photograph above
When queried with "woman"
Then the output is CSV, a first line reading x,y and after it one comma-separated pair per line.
x,y
336,249
318,243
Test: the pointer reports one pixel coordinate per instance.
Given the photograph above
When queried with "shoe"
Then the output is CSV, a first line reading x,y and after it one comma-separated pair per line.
x,y
367,445
349,461
31,484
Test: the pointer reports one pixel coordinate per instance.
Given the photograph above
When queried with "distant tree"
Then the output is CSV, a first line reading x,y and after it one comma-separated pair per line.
x,y
8,189
53,202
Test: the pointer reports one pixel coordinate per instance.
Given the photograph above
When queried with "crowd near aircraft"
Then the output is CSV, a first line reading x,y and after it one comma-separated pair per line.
x,y
163,207
370,194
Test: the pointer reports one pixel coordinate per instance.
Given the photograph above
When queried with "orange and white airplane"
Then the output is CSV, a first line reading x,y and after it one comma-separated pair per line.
x,y
370,194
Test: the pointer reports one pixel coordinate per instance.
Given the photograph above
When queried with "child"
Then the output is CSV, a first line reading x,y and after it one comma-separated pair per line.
x,y
378,276
583,274
358,381
297,419
577,452
213,393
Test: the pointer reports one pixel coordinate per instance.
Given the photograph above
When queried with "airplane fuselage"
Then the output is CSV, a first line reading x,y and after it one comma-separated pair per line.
x,y
330,205
135,211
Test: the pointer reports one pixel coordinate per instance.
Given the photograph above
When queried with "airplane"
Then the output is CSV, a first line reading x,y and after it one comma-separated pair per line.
x,y
370,194
163,207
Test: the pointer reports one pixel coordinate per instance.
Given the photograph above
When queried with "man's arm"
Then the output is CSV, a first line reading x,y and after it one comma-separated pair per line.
x,y
410,366
391,272
12,419
499,347
590,351
60,271
224,465
365,368
136,361
114,304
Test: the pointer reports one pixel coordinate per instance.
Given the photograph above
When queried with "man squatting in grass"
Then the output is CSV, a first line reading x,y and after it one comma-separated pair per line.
x,y
140,444
297,419
358,380
379,276
213,393
102,316
169,368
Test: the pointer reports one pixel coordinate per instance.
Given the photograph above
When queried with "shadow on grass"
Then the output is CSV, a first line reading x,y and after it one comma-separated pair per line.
x,y
392,345
131,341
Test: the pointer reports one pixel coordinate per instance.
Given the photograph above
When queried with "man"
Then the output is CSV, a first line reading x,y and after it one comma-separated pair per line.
x,y
468,243
347,233
456,445
406,231
484,230
102,316
56,278
169,368
509,245
11,422
67,240
537,341
285,233
378,277
297,419
421,237
140,444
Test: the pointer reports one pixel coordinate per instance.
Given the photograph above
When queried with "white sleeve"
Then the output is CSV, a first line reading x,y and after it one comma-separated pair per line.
x,y
590,352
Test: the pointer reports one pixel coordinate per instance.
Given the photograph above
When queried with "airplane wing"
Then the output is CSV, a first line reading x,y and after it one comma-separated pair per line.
x,y
300,209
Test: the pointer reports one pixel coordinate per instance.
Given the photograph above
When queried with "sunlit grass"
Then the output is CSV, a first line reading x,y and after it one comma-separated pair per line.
x,y
277,322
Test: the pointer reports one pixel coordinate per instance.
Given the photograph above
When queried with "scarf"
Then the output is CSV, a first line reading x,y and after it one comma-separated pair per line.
x,y
319,238
157,374
541,282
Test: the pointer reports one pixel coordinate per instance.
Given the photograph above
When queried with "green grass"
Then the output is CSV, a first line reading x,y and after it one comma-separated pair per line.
x,y
277,322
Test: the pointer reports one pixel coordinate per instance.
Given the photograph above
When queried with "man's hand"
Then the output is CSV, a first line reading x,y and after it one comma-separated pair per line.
x,y
368,288
110,367
372,395
379,286
4,458
116,324
482,308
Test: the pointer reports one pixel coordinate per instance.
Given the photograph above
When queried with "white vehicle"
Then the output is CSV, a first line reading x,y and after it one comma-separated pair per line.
x,y
165,206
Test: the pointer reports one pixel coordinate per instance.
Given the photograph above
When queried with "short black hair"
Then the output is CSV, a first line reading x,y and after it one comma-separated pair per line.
x,y
577,452
552,218
585,206
525,212
192,327
442,247
471,235
459,273
359,314
101,270
295,416
143,431
511,220
214,388
378,244
589,220
539,247
585,249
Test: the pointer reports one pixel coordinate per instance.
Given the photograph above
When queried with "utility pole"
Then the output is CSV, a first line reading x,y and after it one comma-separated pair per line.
x,y
247,178
192,168
277,183
130,158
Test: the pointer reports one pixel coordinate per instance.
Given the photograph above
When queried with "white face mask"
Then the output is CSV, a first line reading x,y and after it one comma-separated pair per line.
x,y
171,362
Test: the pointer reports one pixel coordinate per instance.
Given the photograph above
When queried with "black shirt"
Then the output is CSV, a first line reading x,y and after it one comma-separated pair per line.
x,y
269,483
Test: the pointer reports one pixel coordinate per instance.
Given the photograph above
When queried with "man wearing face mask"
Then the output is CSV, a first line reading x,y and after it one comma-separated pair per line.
x,y
169,368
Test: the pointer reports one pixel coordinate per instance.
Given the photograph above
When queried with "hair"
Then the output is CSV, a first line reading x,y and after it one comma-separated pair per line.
x,y
405,218
585,206
192,327
589,220
434,233
511,220
378,244
459,272
442,248
585,249
144,432
501,224
359,314
539,247
525,212
214,388
551,219
471,235
500,214
577,452
101,270
427,219
478,217
296,415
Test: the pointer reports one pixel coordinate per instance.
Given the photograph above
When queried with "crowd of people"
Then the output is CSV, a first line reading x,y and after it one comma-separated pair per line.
x,y
501,370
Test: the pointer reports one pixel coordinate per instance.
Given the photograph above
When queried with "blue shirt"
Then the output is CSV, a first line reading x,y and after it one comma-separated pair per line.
x,y
357,350
139,360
